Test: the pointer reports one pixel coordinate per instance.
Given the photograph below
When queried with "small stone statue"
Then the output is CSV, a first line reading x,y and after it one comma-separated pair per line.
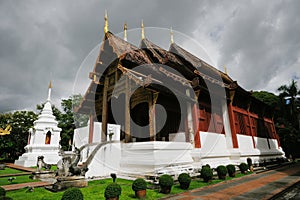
x,y
67,168
41,164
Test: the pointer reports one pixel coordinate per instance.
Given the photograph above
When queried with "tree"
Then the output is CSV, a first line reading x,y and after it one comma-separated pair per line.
x,y
289,93
12,145
268,98
290,135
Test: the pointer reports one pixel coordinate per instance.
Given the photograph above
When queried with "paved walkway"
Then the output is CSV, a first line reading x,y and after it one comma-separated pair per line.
x,y
26,169
23,185
16,174
256,186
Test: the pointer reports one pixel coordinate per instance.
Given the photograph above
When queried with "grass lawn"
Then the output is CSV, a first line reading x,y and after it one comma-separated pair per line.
x,y
8,170
96,188
19,179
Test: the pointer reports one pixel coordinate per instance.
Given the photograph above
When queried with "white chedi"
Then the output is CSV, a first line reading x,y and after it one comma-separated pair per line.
x,y
43,139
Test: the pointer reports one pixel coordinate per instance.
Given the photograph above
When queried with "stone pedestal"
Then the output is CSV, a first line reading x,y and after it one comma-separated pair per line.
x,y
42,175
67,182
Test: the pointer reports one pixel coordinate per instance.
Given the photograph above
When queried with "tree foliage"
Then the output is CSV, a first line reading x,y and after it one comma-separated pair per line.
x,y
286,108
12,145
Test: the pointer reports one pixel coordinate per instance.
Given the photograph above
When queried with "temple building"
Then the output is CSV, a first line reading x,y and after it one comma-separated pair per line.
x,y
43,138
175,112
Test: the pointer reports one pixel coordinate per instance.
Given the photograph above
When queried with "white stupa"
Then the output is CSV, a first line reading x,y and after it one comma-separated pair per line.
x,y
43,139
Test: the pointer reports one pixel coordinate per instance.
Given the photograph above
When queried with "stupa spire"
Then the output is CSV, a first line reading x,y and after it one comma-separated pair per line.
x,y
143,30
172,35
49,91
125,31
105,22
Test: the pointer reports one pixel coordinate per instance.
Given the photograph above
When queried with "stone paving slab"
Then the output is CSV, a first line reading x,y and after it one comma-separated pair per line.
x,y
255,186
16,174
27,169
23,185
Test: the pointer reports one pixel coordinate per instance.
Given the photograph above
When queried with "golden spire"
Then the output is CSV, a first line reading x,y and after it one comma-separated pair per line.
x,y
50,84
49,91
143,31
225,69
106,22
125,31
172,36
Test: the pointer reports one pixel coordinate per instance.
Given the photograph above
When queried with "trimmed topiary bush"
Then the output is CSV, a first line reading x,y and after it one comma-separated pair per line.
x,y
184,180
166,182
206,173
243,167
222,172
2,192
72,194
139,184
231,170
112,190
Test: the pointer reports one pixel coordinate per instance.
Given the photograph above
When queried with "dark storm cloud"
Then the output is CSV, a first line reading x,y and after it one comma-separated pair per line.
x,y
43,40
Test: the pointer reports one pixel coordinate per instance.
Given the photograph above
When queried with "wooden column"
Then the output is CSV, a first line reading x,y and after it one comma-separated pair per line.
x,y
127,110
104,111
251,129
91,129
197,140
232,120
152,120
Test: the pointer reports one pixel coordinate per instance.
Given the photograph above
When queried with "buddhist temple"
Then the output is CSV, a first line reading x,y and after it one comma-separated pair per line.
x,y
175,112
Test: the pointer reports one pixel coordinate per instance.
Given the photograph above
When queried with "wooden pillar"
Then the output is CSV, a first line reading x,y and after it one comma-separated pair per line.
x,y
251,128
104,111
197,140
152,120
232,120
232,125
189,118
91,129
127,110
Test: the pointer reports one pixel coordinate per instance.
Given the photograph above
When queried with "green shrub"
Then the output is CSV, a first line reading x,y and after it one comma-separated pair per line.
x,y
166,181
243,167
2,192
139,184
206,173
72,194
5,198
112,190
184,180
222,172
231,170
249,162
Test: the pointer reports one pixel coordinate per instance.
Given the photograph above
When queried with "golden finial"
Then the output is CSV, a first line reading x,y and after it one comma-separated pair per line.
x,y
172,36
143,31
125,31
225,69
106,22
50,84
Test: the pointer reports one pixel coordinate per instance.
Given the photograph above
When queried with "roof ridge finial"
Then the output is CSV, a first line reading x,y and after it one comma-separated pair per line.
x,y
106,22
225,69
49,91
143,30
172,35
125,31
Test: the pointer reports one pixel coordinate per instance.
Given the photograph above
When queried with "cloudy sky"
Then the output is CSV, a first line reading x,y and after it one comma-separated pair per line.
x,y
258,41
